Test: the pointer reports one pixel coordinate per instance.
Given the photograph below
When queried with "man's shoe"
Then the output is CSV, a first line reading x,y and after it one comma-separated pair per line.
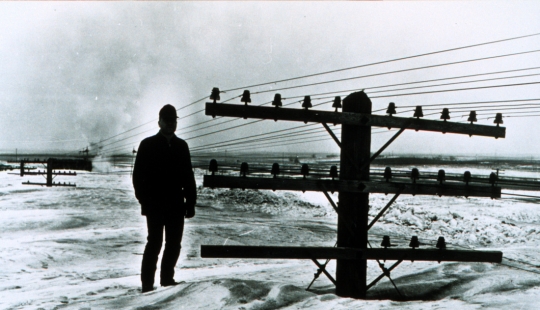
x,y
147,288
170,283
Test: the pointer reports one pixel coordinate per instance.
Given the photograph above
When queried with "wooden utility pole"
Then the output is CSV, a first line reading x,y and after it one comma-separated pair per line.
x,y
353,207
49,173
354,185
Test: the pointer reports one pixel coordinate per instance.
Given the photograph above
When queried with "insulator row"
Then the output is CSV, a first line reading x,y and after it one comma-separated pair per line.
x,y
391,110
414,243
441,176
333,173
244,169
445,114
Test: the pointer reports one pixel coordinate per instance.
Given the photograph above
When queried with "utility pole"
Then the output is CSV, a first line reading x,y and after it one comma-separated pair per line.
x,y
354,186
49,173
354,165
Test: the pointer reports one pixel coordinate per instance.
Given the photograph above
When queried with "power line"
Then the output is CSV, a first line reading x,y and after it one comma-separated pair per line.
x,y
478,108
398,71
455,83
489,109
536,115
268,133
239,96
316,139
246,141
244,124
277,144
139,126
249,123
414,82
118,141
387,61
354,67
458,89
183,117
462,103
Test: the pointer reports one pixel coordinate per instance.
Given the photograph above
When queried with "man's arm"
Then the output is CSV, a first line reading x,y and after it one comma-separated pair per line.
x,y
140,174
190,187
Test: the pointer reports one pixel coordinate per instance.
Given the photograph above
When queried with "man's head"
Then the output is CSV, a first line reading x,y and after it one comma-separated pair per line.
x,y
167,119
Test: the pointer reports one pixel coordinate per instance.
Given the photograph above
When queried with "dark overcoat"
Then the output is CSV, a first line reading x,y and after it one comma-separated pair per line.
x,y
163,176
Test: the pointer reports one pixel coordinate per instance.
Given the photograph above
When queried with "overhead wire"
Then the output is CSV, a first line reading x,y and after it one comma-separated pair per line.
x,y
279,143
273,137
234,127
388,61
397,71
328,138
379,96
461,103
416,82
252,136
489,109
153,129
372,97
491,57
457,89
144,124
123,146
453,83
402,94
349,68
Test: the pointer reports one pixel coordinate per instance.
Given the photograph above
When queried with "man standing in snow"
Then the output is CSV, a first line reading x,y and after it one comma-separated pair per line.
x,y
165,187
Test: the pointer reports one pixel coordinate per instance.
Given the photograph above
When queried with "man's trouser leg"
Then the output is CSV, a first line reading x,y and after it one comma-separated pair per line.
x,y
174,227
155,224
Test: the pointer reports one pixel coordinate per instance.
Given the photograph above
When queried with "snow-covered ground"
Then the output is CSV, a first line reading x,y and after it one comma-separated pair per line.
x,y
80,248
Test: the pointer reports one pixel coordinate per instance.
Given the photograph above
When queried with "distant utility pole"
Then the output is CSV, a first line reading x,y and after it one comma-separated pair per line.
x,y
49,173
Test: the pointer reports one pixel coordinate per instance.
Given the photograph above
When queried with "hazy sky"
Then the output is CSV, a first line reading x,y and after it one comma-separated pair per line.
x,y
74,73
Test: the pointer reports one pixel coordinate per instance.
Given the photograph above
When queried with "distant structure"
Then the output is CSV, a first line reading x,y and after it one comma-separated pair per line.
x,y
50,174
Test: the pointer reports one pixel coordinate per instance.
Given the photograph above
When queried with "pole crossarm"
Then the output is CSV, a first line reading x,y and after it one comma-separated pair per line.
x,y
278,252
53,184
346,118
54,173
288,252
434,255
446,189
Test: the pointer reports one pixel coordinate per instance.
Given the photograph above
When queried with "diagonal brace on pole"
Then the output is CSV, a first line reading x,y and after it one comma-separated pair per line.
x,y
387,271
322,268
330,200
347,223
383,147
332,134
347,155
384,209
319,271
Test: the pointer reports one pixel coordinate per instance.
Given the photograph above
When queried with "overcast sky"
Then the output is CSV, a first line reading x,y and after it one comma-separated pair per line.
x,y
76,73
